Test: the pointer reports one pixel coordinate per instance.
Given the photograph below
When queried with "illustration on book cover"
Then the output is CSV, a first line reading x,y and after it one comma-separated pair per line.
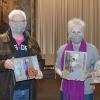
x,y
25,68
74,65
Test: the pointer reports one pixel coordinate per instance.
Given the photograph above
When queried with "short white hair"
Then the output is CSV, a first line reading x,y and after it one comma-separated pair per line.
x,y
16,12
76,22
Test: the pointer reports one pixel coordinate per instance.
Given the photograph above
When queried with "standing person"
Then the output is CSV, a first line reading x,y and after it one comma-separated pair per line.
x,y
16,42
75,89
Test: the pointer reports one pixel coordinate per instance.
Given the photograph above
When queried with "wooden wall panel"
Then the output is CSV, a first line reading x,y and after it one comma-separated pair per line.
x,y
7,5
0,12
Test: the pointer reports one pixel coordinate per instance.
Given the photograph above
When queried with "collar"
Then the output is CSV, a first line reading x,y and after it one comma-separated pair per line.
x,y
7,36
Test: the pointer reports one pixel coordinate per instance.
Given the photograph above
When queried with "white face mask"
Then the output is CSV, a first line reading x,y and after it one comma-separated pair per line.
x,y
76,35
18,27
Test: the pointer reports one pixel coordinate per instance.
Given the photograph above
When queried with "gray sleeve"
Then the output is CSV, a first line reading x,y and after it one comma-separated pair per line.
x,y
58,60
95,57
59,55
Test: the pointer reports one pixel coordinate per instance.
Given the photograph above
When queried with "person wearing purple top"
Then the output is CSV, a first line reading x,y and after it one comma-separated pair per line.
x,y
76,89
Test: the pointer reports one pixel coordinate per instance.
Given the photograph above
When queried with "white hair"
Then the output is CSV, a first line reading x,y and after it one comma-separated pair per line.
x,y
16,12
76,22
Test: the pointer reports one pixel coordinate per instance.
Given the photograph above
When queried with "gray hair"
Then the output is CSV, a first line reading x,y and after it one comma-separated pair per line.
x,y
76,22
16,12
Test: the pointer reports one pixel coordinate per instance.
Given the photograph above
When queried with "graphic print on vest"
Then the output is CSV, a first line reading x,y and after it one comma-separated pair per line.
x,y
21,47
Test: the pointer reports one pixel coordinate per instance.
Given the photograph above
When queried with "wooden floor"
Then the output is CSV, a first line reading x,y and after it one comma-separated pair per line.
x,y
48,89
97,91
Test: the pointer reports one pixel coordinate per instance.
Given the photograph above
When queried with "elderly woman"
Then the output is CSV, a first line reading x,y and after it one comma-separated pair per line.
x,y
76,89
16,42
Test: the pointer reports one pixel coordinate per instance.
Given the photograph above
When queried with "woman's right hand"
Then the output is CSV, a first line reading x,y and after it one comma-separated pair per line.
x,y
61,73
58,71
8,64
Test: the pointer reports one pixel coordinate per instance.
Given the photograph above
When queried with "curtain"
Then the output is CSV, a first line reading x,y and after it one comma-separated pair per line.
x,y
52,17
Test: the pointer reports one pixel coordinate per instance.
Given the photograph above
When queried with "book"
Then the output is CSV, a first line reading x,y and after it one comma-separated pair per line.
x,y
96,73
74,65
25,68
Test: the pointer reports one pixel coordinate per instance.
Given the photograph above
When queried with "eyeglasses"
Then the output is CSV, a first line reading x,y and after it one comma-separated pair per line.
x,y
15,21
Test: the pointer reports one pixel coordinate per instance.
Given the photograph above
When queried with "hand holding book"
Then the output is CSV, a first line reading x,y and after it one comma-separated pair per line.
x,y
61,73
39,75
65,73
8,64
